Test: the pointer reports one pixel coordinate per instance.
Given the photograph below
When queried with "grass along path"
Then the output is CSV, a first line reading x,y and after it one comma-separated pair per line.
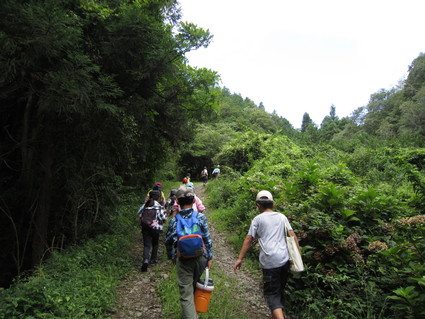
x,y
154,294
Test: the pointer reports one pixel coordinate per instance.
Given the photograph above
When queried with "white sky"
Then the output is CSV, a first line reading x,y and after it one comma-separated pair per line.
x,y
305,55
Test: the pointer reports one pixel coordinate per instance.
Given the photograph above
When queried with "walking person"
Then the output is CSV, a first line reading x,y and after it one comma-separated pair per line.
x,y
204,175
216,172
190,265
157,186
269,228
197,204
171,201
152,217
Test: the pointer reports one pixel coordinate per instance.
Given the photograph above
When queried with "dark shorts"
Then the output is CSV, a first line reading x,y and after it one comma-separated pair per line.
x,y
274,283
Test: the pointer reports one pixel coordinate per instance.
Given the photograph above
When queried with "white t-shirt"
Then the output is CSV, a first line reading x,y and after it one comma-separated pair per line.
x,y
269,229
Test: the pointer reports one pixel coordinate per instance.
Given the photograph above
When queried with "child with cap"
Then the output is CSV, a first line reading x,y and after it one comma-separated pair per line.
x,y
189,270
157,186
197,204
269,228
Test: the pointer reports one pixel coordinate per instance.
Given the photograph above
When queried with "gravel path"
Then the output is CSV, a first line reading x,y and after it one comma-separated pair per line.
x,y
138,297
137,294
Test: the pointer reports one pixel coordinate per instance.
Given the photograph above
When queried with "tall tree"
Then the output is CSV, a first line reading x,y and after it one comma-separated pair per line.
x,y
332,113
306,122
81,114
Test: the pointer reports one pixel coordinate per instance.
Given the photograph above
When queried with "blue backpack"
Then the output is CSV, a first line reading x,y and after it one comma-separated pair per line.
x,y
189,234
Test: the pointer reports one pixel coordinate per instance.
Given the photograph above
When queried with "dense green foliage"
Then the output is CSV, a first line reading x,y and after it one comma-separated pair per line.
x,y
78,283
94,95
353,189
355,199
361,235
236,120
97,95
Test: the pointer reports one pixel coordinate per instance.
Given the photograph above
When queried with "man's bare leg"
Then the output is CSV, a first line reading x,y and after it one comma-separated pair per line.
x,y
278,314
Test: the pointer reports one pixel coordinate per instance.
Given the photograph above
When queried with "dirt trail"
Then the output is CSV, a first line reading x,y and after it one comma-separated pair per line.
x,y
137,294
138,297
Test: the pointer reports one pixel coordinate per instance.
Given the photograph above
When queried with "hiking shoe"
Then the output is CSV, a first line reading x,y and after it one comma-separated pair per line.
x,y
153,261
145,265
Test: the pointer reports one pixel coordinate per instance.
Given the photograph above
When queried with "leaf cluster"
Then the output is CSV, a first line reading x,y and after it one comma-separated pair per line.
x,y
94,95
347,221
79,282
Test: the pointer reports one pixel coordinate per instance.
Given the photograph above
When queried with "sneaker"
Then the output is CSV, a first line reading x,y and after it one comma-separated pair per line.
x,y
145,265
153,261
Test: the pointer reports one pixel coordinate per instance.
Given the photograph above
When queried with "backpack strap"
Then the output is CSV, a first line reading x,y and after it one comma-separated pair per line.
x,y
194,214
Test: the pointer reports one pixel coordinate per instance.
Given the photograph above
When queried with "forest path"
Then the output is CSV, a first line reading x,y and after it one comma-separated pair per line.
x,y
138,296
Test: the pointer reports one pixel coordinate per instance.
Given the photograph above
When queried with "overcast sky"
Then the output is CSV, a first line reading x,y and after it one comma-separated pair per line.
x,y
305,55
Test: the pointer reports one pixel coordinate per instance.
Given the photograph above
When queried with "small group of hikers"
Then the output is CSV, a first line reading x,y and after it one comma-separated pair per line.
x,y
204,174
153,215
189,244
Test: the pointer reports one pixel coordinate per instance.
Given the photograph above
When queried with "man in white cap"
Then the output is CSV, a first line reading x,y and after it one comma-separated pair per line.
x,y
269,228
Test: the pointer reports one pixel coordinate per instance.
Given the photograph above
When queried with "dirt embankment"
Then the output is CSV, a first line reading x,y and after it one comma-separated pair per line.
x,y
138,296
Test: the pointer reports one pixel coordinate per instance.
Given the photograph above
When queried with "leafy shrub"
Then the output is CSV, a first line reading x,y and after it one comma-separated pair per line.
x,y
77,283
361,262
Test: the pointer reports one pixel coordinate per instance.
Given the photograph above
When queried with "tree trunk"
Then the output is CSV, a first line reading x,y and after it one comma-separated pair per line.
x,y
42,212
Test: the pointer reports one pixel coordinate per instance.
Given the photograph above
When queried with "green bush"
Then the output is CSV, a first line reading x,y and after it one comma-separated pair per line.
x,y
346,208
77,283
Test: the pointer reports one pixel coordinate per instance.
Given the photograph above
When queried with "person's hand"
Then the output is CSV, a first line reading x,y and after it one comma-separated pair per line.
x,y
237,265
209,264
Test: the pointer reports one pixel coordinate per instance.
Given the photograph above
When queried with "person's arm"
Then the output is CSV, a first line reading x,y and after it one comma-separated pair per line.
x,y
199,206
209,263
171,238
206,239
245,247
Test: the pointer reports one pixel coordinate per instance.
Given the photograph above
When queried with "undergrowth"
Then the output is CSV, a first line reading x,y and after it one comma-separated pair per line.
x,y
362,231
79,282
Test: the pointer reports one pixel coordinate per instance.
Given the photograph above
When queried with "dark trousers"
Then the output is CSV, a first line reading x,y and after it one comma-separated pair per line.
x,y
274,285
150,241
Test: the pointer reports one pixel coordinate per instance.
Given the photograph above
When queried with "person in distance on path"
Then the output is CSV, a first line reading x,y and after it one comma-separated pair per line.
x,y
269,228
204,176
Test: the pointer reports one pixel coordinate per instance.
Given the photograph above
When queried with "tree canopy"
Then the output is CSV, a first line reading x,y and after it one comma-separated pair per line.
x,y
93,94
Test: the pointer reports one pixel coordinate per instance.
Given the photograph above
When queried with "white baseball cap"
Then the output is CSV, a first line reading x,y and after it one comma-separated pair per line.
x,y
264,196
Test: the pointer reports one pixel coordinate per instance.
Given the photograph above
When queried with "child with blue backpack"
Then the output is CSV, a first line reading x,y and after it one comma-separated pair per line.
x,y
189,246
